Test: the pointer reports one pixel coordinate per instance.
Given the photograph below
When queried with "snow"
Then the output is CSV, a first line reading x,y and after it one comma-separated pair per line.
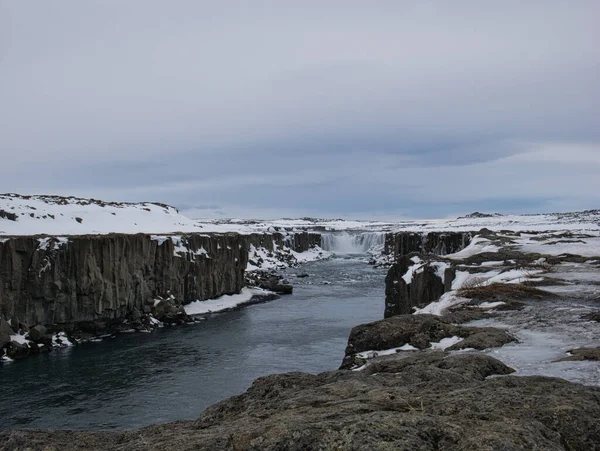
x,y
372,353
61,340
412,270
460,279
53,215
226,302
448,300
446,342
510,276
586,247
477,245
490,305
281,257
19,339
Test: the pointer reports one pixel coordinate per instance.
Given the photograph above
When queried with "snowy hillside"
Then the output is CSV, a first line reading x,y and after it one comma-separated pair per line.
x,y
55,215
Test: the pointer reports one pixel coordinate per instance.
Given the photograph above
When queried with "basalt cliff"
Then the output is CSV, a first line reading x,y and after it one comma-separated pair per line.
x,y
68,280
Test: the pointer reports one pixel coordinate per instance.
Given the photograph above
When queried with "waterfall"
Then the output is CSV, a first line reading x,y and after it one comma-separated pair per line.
x,y
352,243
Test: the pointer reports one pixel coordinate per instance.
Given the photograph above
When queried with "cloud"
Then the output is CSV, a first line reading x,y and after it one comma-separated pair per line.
x,y
329,108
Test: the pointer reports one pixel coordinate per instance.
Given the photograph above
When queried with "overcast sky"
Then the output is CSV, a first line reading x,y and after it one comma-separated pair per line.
x,y
357,109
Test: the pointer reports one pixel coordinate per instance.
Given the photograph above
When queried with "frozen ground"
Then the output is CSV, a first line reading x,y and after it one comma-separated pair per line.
x,y
53,215
564,264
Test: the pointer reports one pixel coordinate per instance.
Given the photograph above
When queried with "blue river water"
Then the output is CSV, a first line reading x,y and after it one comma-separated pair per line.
x,y
135,380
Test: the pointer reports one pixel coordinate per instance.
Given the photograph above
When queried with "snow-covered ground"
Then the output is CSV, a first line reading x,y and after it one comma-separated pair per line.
x,y
227,302
53,215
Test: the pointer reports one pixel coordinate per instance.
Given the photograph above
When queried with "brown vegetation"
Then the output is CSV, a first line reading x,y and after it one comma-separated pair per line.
x,y
501,291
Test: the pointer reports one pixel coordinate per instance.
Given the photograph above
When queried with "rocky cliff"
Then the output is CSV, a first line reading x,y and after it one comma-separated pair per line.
x,y
411,282
439,243
50,280
85,278
296,241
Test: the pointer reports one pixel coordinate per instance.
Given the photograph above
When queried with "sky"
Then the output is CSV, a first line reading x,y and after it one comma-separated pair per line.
x,y
337,109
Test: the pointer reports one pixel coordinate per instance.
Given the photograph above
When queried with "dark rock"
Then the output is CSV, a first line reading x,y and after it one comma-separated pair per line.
x,y
4,339
17,350
100,278
582,354
5,328
8,215
418,331
483,338
37,333
283,289
438,243
302,276
135,314
426,402
14,323
593,316
461,316
401,297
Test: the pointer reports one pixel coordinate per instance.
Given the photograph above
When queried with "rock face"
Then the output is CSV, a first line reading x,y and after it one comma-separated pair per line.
x,y
428,283
88,278
425,402
297,241
438,243
425,286
418,331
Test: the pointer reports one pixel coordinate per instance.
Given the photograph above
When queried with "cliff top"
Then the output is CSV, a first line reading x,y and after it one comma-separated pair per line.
x,y
57,215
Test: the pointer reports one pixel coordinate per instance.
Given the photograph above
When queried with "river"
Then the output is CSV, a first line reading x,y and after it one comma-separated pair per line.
x,y
135,380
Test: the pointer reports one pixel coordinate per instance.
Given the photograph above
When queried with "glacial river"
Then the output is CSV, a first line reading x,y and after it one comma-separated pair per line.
x,y
135,380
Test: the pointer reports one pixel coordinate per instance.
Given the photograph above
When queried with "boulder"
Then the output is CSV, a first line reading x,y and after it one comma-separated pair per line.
x,y
5,328
581,354
14,324
4,339
17,350
37,333
424,287
418,331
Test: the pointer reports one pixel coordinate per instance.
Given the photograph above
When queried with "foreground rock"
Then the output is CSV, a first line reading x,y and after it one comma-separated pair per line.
x,y
423,402
582,354
418,331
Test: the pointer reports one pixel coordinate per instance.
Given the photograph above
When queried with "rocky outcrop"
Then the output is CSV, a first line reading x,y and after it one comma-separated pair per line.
x,y
438,243
430,280
418,331
581,354
427,401
296,241
426,285
46,280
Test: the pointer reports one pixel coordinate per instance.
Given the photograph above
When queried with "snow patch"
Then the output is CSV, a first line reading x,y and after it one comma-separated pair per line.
x,y
226,302
446,342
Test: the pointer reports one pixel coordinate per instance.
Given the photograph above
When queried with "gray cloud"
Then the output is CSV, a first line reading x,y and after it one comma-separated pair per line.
x,y
412,108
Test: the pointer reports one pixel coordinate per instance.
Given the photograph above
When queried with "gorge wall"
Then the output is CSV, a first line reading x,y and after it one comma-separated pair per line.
x,y
59,280
430,281
438,243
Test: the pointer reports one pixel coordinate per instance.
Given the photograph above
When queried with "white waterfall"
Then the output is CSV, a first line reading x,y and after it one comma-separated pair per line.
x,y
352,243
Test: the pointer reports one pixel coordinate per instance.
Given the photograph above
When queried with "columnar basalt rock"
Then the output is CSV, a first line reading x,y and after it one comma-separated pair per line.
x,y
438,243
296,241
428,283
87,278
63,281
426,286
